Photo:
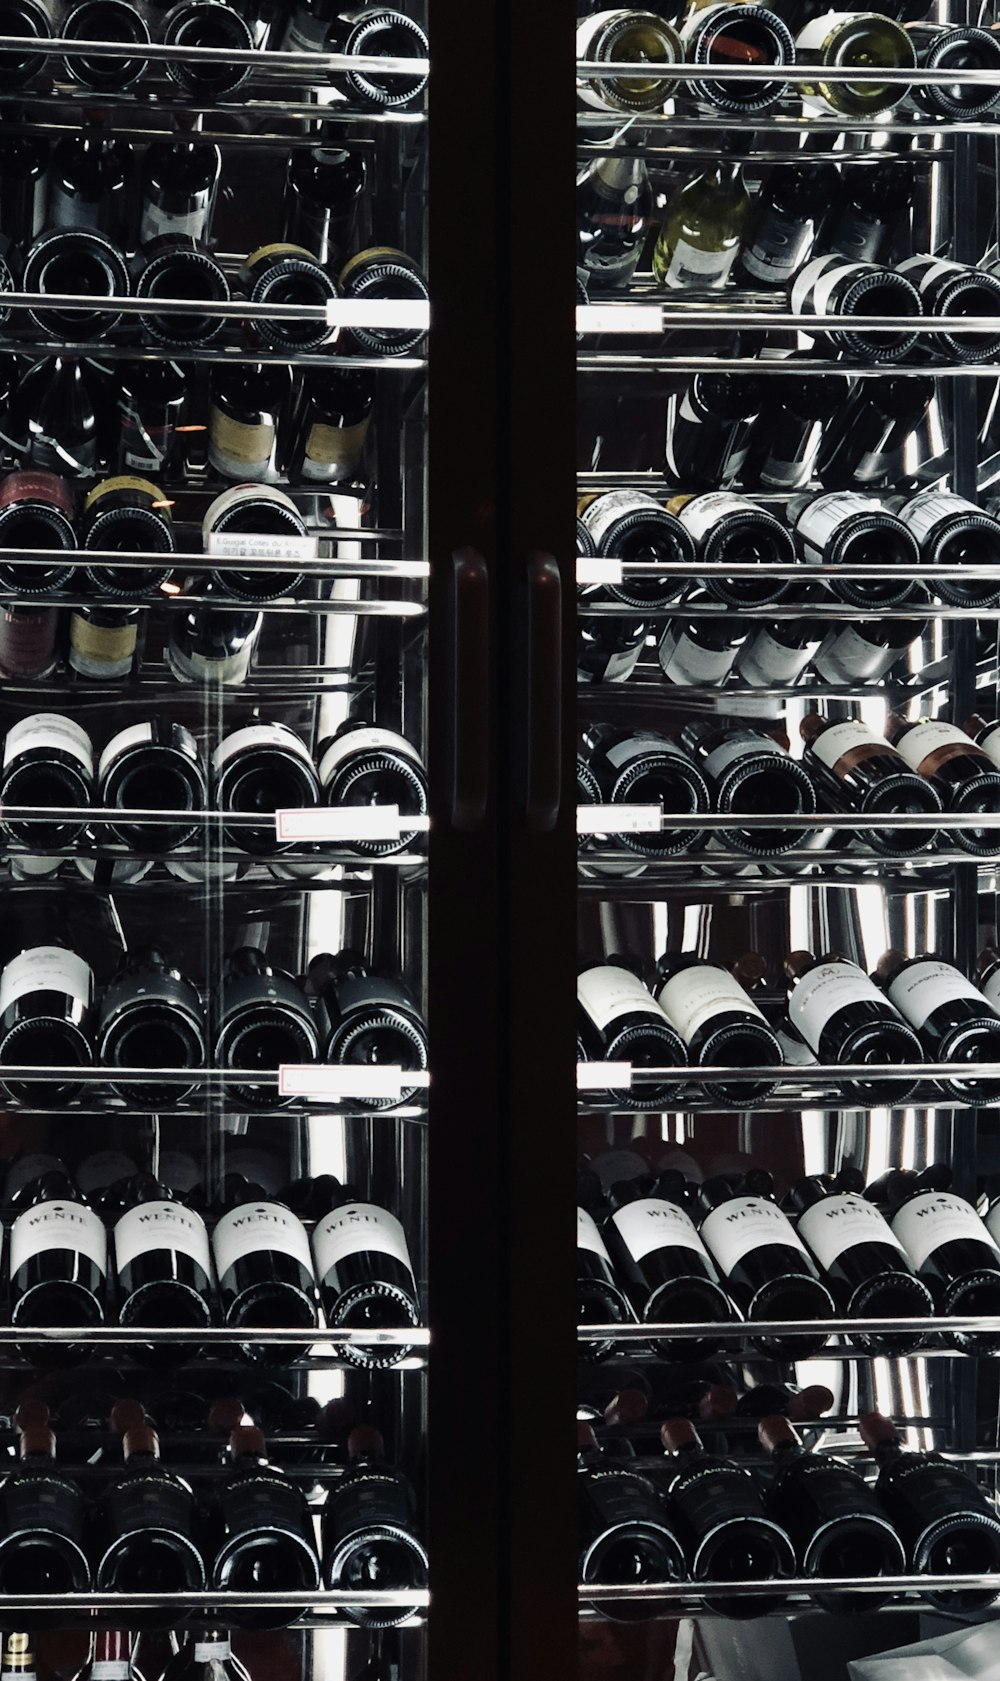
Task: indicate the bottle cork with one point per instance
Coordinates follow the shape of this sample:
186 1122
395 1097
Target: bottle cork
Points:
585 1437
226 1415
246 1438
876 1430
140 1439
127 1415
365 1442
796 964
37 1439
811 1402
775 1432
32 1413
679 1433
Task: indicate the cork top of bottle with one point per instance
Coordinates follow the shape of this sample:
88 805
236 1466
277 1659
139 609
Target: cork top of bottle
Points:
337 1416
889 963
365 1442
627 1407
127 1415
811 724
32 1414
974 724
247 1439
811 1402
750 969
226 1414
37 1439
877 1431
140 1439
775 1433
679 1433
796 964
718 1401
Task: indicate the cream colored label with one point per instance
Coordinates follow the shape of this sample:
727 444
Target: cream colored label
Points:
108 486
332 446
103 644
249 444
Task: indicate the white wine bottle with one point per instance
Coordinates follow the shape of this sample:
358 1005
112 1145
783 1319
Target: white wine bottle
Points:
701 233
633 38
848 40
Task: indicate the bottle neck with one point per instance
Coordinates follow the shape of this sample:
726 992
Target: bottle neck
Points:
618 174
727 174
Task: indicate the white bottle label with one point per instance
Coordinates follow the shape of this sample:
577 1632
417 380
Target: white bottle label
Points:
740 745
602 513
923 512
805 280
639 746
846 655
829 987
255 1226
588 1236
58 1225
835 1224
46 969
813 34
608 992
110 1669
823 290
693 996
258 735
743 1224
765 661
212 1651
832 743
161 1225
48 730
654 1224
918 990
362 741
817 523
936 1217
685 661
155 221
135 735
690 266
923 271
925 738
354 1229
703 513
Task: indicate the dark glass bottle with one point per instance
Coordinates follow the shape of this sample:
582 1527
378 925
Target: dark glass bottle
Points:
747 770
379 32
844 1017
258 1534
953 531
872 201
153 766
633 527
608 650
163 1266
206 1655
247 420
332 422
88 183
858 770
787 217
768 1271
625 1530
708 429
373 1020
700 653
260 769
46 993
669 1272
365 765
150 1017
175 265
862 440
854 290
949 1248
965 777
43 1539
731 529
622 1022
281 274
865 650
365 1276
106 20
643 767
788 431
57 1264
719 1023
207 23
265 1270
212 644
85 264
152 401
614 207
53 418
844 528
129 515
943 47
369 1531
323 191
179 182
24 180
600 1300
264 1020
145 1528
48 760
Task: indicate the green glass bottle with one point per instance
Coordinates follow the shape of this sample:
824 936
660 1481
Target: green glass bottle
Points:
704 226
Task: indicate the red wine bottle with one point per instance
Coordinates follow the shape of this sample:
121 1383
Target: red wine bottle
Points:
373 1020
163 1266
669 1272
365 1276
625 1529
719 1023
844 1017
949 1248
952 1019
600 1300
265 1269
57 1263
45 1005
258 1534
145 1528
622 1022
858 770
369 1531
42 1522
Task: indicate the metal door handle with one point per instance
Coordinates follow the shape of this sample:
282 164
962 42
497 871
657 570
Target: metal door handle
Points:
470 651
544 697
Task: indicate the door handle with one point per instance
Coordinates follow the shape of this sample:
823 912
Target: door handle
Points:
469 701
543 755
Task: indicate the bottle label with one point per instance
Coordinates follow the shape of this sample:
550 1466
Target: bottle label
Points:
155 221
161 1225
46 969
767 661
258 735
744 1224
358 1228
46 730
609 992
639 746
208 1651
923 271
835 1224
818 522
847 655
739 745
682 660
621 665
931 744
690 266
365 1502
134 735
851 736
827 988
97 650
703 513
58 1225
919 989
778 247
372 740
237 449
600 514
259 1226
922 513
588 1237
805 280
655 1224
110 1669
65 211
926 1222
331 451
692 997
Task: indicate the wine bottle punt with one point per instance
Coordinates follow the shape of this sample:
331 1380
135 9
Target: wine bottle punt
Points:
719 1024
280 275
844 1017
264 1021
365 1278
83 263
624 1023
956 48
731 529
949 1248
955 290
29 19
150 1017
207 23
768 1272
380 32
669 1272
106 20
369 1531
843 528
261 768
384 272
176 265
625 1530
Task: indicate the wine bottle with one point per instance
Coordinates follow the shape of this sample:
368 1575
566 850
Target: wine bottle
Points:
145 1528
865 651
150 1017
622 1022
849 40
179 183
176 265
46 994
376 31
786 436
731 529
987 975
953 531
207 23
643 767
709 427
872 201
762 1400
89 177
106 20
278 275
48 760
948 1246
722 1522
57 1265
258 1534
831 1516
261 769
255 522
18 1662
860 771
631 526
384 272
669 1272
863 440
625 1530
965 776
632 37
163 1267
747 770
24 162
212 645
955 47
373 1021
776 654
365 765
151 405
944 1519
719 1024
365 1277
955 289
863 1263
84 263
265 1270
43 1537
952 1018
206 1655
128 514
247 420
704 225
52 421
828 285
263 1020
600 1300
741 33
154 766
614 207
768 1271
843 528
607 650
369 1531
324 188
786 219
332 423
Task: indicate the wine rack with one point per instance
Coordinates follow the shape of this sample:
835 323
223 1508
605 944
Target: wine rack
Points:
637 347
348 636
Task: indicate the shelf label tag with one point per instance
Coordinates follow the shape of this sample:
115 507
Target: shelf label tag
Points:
345 823
618 819
620 318
347 1080
598 569
598 1076
251 545
410 314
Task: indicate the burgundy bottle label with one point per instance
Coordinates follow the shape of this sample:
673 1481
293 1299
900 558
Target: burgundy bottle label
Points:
31 486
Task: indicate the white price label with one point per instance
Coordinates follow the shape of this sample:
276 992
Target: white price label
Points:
408 314
254 545
345 823
347 1080
619 318
600 1076
598 569
618 819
